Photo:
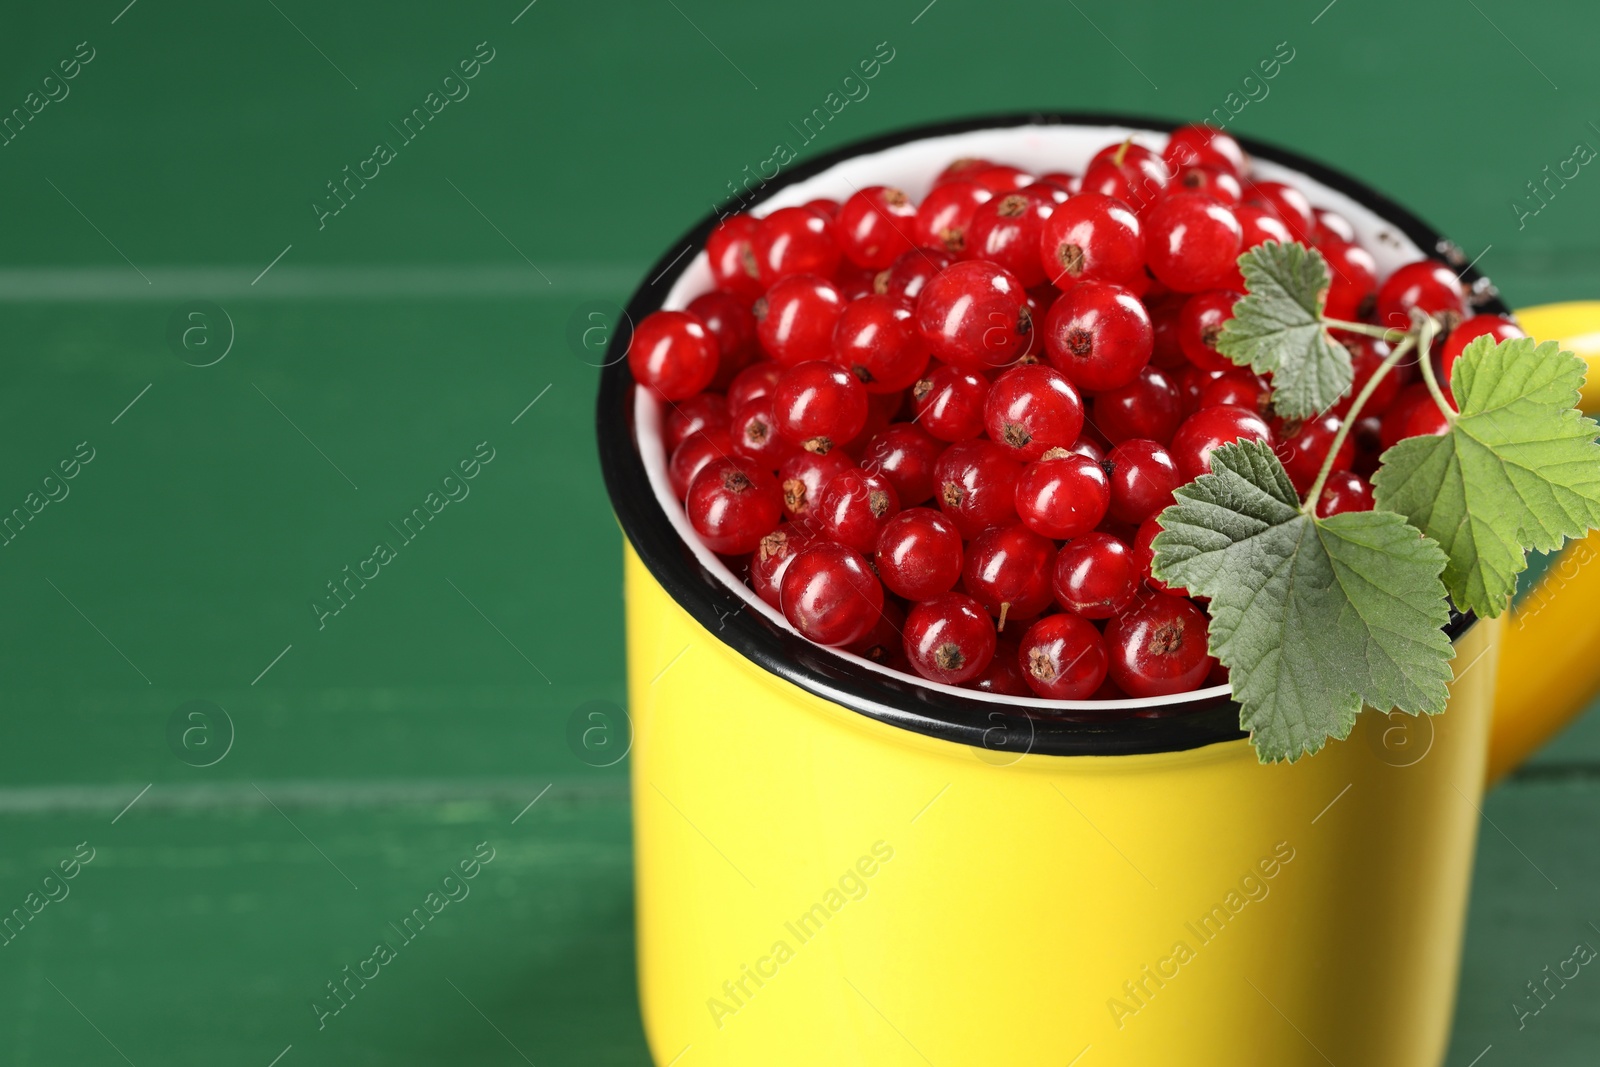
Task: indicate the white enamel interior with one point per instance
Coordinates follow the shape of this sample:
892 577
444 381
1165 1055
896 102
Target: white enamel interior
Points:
912 167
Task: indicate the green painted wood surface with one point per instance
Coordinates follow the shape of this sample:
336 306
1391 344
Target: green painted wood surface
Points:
419 321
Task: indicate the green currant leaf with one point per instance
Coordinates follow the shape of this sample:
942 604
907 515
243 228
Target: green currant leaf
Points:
1277 329
1519 468
1313 618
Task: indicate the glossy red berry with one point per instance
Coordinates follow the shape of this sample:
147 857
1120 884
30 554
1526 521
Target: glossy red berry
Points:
961 170
830 594
732 505
673 353
905 454
1098 335
1219 184
1426 285
1062 495
1200 326
703 411
1144 556
946 213
949 403
1130 173
1302 445
875 225
755 435
1142 476
876 339
824 206
1095 576
1201 145
1192 242
1344 491
795 321
692 454
976 485
1332 226
1093 238
1063 657
794 240
731 253
773 556
1006 231
853 282
975 316
1209 428
884 644
1003 675
1259 226
919 554
1159 647
817 405
803 475
753 383
1240 387
1353 274
1007 570
949 639
1366 356
1000 178
1289 203
905 278
854 508
1031 409
1414 413
731 325
1494 327
1150 407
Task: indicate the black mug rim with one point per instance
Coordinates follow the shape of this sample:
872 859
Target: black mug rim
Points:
1001 729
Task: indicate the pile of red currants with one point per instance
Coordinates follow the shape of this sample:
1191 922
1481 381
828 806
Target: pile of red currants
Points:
938 435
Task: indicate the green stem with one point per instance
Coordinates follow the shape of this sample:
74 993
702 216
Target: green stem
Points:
1425 346
1382 333
1309 507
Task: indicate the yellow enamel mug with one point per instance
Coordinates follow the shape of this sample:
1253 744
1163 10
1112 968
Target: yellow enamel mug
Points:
836 866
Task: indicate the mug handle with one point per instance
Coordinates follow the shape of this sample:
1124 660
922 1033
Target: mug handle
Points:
1548 667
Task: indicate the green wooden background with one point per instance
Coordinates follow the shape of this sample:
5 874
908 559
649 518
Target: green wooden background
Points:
377 749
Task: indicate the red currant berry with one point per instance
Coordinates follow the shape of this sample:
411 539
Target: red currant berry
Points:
961 170
975 316
1303 445
949 639
1414 413
1001 179
945 214
1164 310
1142 476
885 643
882 409
1210 428
949 403
731 325
1063 657
855 506
1344 491
1095 576
794 240
1062 495
905 278
1031 409
1149 407
732 505
905 454
673 353
823 206
830 594
1289 203
1007 570
703 411
919 554
1159 647
1003 675
977 483
875 225
818 405
1092 237
853 282
1426 285
1144 556
1354 281
1200 145
772 557
1332 226
692 454
1260 226
755 435
1192 382
753 383
1130 172
803 475
1191 243
1006 231
1200 325
1492 326
1240 387
796 319
733 259
877 341
1098 335
1366 356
